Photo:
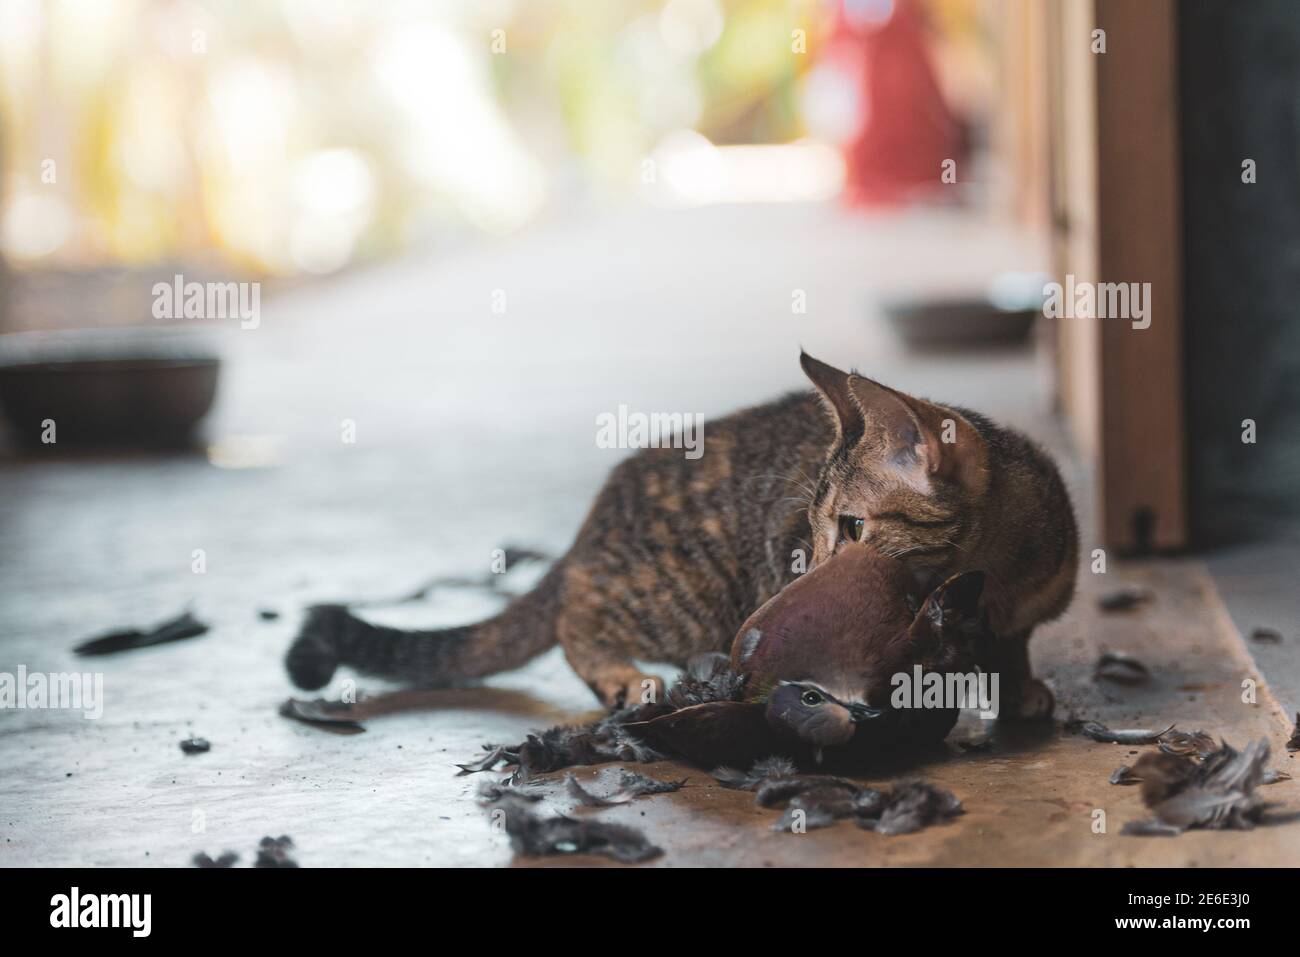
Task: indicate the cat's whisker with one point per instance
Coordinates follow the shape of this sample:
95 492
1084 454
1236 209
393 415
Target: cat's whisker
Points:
797 478
792 498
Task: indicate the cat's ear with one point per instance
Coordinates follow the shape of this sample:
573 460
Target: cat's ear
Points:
922 435
718 732
833 386
952 614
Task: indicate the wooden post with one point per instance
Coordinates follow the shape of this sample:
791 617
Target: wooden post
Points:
1117 180
1140 239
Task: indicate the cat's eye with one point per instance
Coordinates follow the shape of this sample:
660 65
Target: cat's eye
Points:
811 698
852 528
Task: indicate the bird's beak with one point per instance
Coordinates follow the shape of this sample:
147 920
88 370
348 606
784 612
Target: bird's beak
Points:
860 712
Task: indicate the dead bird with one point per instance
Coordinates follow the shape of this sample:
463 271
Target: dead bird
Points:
1217 793
811 676
854 462
533 835
183 626
821 662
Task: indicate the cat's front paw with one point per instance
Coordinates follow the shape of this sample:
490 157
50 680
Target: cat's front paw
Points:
628 689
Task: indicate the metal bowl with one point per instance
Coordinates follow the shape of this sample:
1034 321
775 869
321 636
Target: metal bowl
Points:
132 387
959 322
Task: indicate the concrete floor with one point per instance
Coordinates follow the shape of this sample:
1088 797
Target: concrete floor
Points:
476 429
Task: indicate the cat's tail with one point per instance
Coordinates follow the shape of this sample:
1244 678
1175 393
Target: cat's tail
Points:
332 636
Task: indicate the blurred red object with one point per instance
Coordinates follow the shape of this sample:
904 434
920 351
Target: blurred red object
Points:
908 130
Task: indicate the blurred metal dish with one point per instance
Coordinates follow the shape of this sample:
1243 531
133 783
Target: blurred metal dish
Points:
959 322
117 387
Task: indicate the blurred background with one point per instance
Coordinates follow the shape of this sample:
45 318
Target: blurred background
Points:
297 138
320 300
457 232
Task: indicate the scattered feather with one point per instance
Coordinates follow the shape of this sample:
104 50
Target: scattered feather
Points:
1197 807
816 808
535 836
815 800
707 679
1121 669
640 784
1162 774
227 859
176 629
274 852
320 713
1099 732
493 757
871 803
775 792
565 747
1215 793
912 806
1293 743
774 767
1150 829
630 786
491 791
1123 599
1267 636
1195 744
1274 776
1124 775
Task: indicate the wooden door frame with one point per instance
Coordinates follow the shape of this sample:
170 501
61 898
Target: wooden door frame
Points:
1117 217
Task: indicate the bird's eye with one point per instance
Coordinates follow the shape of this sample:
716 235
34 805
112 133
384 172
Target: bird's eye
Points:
811 698
852 528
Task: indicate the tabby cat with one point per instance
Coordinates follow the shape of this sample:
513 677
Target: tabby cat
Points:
676 552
